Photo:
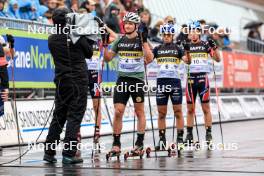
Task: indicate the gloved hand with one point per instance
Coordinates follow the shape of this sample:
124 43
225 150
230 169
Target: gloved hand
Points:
187 45
99 21
212 44
105 38
143 32
11 40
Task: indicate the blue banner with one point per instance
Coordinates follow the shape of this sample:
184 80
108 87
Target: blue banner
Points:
34 66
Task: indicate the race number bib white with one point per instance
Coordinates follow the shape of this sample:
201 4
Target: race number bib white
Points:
131 61
199 63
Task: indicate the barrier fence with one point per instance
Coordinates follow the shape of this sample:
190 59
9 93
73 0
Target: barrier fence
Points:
32 116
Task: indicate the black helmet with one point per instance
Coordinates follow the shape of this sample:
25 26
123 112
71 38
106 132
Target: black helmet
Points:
59 16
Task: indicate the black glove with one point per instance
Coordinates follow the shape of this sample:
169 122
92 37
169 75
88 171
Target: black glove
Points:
99 21
212 44
187 45
105 38
143 32
11 40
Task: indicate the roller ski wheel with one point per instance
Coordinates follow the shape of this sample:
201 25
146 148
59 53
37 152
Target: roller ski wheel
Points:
173 150
137 152
148 151
189 140
113 153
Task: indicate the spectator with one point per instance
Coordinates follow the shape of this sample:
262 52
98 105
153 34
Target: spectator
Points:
205 33
140 6
99 9
61 4
169 20
2 6
129 6
52 5
27 10
254 40
111 17
42 14
43 2
71 4
74 7
224 40
13 9
154 33
89 5
183 35
145 17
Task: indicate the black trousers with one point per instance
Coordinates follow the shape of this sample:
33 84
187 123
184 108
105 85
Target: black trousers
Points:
70 106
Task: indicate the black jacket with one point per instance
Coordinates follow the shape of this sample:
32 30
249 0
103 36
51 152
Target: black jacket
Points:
70 65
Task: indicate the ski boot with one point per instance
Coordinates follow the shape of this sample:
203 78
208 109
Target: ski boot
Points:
180 144
189 139
161 145
190 142
49 158
209 139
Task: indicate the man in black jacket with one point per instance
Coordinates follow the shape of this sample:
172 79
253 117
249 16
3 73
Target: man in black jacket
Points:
71 90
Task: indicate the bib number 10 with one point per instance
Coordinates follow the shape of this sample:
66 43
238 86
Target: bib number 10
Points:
196 61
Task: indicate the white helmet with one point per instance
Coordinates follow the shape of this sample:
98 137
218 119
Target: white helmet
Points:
132 17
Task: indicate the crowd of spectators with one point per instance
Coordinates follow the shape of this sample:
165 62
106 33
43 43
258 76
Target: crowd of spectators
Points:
111 11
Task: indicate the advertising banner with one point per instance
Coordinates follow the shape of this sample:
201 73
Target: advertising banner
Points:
243 70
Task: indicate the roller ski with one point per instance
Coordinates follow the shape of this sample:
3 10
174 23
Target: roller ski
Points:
138 151
190 143
115 152
162 146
